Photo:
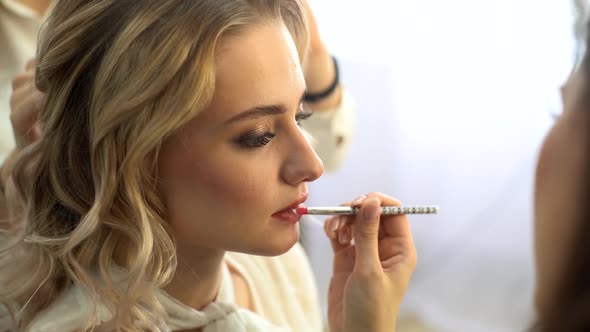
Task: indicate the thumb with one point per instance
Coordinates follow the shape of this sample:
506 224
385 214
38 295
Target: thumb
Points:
366 234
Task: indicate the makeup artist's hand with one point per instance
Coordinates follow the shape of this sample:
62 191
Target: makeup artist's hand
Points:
318 66
25 103
371 273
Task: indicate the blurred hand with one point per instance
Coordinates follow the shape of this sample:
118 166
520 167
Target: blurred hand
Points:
315 41
374 258
25 103
318 66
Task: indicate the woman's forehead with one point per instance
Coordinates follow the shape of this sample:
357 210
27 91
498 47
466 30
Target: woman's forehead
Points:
258 66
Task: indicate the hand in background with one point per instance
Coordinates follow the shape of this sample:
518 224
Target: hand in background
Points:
318 67
25 103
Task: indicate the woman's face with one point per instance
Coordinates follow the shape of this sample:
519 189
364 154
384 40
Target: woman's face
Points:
559 188
233 168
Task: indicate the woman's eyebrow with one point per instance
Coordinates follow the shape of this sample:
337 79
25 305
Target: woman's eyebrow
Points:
257 112
260 111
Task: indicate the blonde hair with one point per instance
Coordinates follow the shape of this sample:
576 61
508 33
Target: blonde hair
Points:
120 77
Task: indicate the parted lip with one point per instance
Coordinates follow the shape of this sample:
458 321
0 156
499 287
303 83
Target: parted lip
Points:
302 198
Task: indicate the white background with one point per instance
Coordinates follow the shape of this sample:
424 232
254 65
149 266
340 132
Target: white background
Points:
453 100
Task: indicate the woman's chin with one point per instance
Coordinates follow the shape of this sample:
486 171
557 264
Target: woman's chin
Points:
277 245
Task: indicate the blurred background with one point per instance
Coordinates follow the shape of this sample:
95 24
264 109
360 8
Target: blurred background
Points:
453 100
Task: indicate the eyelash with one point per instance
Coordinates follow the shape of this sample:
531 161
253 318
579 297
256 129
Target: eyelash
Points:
302 116
252 140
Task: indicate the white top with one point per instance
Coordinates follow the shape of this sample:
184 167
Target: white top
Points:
19 26
71 310
282 288
332 131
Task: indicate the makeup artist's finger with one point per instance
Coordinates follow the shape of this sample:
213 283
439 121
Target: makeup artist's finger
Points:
31 64
393 225
25 106
342 221
358 201
344 235
396 244
22 80
366 230
339 229
328 224
348 220
331 226
23 85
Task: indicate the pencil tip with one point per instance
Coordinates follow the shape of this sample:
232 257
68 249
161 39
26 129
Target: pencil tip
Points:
301 210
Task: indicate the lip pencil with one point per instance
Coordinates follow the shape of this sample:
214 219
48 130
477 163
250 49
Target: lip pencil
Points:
386 210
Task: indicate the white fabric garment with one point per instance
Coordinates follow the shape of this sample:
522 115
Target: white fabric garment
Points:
282 290
332 131
282 287
18 39
72 309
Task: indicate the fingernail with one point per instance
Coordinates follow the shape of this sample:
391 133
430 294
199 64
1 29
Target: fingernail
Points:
371 212
343 237
333 226
358 200
329 223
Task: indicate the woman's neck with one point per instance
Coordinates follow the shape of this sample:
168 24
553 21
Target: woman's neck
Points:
38 6
197 278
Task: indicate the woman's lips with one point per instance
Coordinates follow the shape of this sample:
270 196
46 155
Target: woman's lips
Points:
289 215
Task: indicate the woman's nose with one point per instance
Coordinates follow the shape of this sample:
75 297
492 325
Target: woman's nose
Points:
302 163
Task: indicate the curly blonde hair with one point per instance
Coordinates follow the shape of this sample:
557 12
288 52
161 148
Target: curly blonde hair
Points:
120 77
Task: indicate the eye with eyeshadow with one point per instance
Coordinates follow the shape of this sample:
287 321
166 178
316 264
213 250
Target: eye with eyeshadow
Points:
255 139
261 137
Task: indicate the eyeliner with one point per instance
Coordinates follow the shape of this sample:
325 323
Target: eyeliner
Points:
385 210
